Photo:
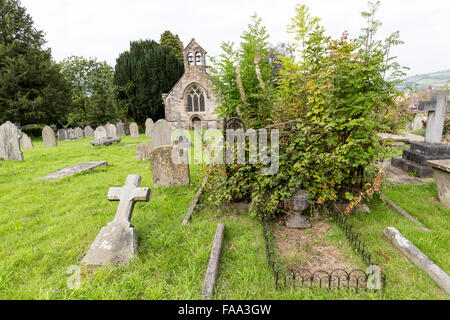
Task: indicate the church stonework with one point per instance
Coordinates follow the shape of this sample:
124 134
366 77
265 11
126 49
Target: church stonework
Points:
192 97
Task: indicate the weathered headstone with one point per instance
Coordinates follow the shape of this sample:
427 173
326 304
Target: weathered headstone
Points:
88 132
117 242
161 134
120 129
62 135
70 171
49 137
414 160
170 166
417 122
148 127
25 141
111 131
134 130
79 133
100 133
104 141
9 142
143 151
70 134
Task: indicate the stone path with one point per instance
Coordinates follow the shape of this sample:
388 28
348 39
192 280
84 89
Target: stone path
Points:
70 171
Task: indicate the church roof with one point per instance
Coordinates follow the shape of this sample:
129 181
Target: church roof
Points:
195 45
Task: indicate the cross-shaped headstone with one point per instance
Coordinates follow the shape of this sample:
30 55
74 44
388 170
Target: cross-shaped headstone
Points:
128 195
117 242
436 107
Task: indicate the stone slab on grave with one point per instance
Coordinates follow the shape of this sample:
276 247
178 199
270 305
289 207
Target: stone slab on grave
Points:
70 171
441 170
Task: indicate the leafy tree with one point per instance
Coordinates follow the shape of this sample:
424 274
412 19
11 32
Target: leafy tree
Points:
142 75
32 89
243 77
92 91
172 41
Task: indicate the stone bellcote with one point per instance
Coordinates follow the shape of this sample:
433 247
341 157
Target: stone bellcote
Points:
194 57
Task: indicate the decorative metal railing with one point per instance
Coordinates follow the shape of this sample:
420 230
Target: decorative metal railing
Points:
356 279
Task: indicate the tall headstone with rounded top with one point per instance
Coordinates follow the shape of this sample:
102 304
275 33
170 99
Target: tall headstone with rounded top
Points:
9 142
79 134
25 141
161 134
48 136
149 127
100 133
88 132
111 131
134 130
120 129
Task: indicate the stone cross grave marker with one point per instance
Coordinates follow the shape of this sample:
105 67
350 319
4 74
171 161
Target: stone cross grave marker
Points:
117 242
48 136
9 142
436 108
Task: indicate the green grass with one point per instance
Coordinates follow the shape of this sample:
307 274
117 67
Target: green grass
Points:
48 226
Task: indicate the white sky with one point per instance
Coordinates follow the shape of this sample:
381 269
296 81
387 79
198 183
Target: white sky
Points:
104 28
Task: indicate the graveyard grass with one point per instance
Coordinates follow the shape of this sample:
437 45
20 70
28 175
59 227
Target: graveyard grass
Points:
48 226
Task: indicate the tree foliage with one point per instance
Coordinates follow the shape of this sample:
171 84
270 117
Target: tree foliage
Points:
331 98
92 91
172 41
32 89
142 75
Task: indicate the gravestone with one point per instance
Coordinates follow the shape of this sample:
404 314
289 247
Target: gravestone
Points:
62 135
120 129
414 160
9 142
79 133
25 141
111 131
88 132
161 134
100 133
165 170
441 169
143 151
117 242
134 130
149 127
49 137
104 141
70 171
70 134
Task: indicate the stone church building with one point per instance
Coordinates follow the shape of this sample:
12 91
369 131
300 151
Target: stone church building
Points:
192 96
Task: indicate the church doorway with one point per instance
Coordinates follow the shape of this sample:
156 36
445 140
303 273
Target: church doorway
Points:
196 122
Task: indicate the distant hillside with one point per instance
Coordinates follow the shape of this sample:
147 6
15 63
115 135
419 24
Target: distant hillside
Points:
422 81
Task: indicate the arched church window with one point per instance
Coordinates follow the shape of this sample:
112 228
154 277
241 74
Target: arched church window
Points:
190 58
198 58
195 100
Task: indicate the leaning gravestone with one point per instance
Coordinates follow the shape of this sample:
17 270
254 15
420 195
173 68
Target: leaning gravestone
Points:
62 135
70 134
25 141
414 160
134 130
117 242
79 134
100 133
49 137
170 166
88 132
161 134
9 142
120 129
149 127
70 171
111 131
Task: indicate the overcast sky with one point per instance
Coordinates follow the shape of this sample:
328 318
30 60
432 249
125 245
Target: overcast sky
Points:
104 28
